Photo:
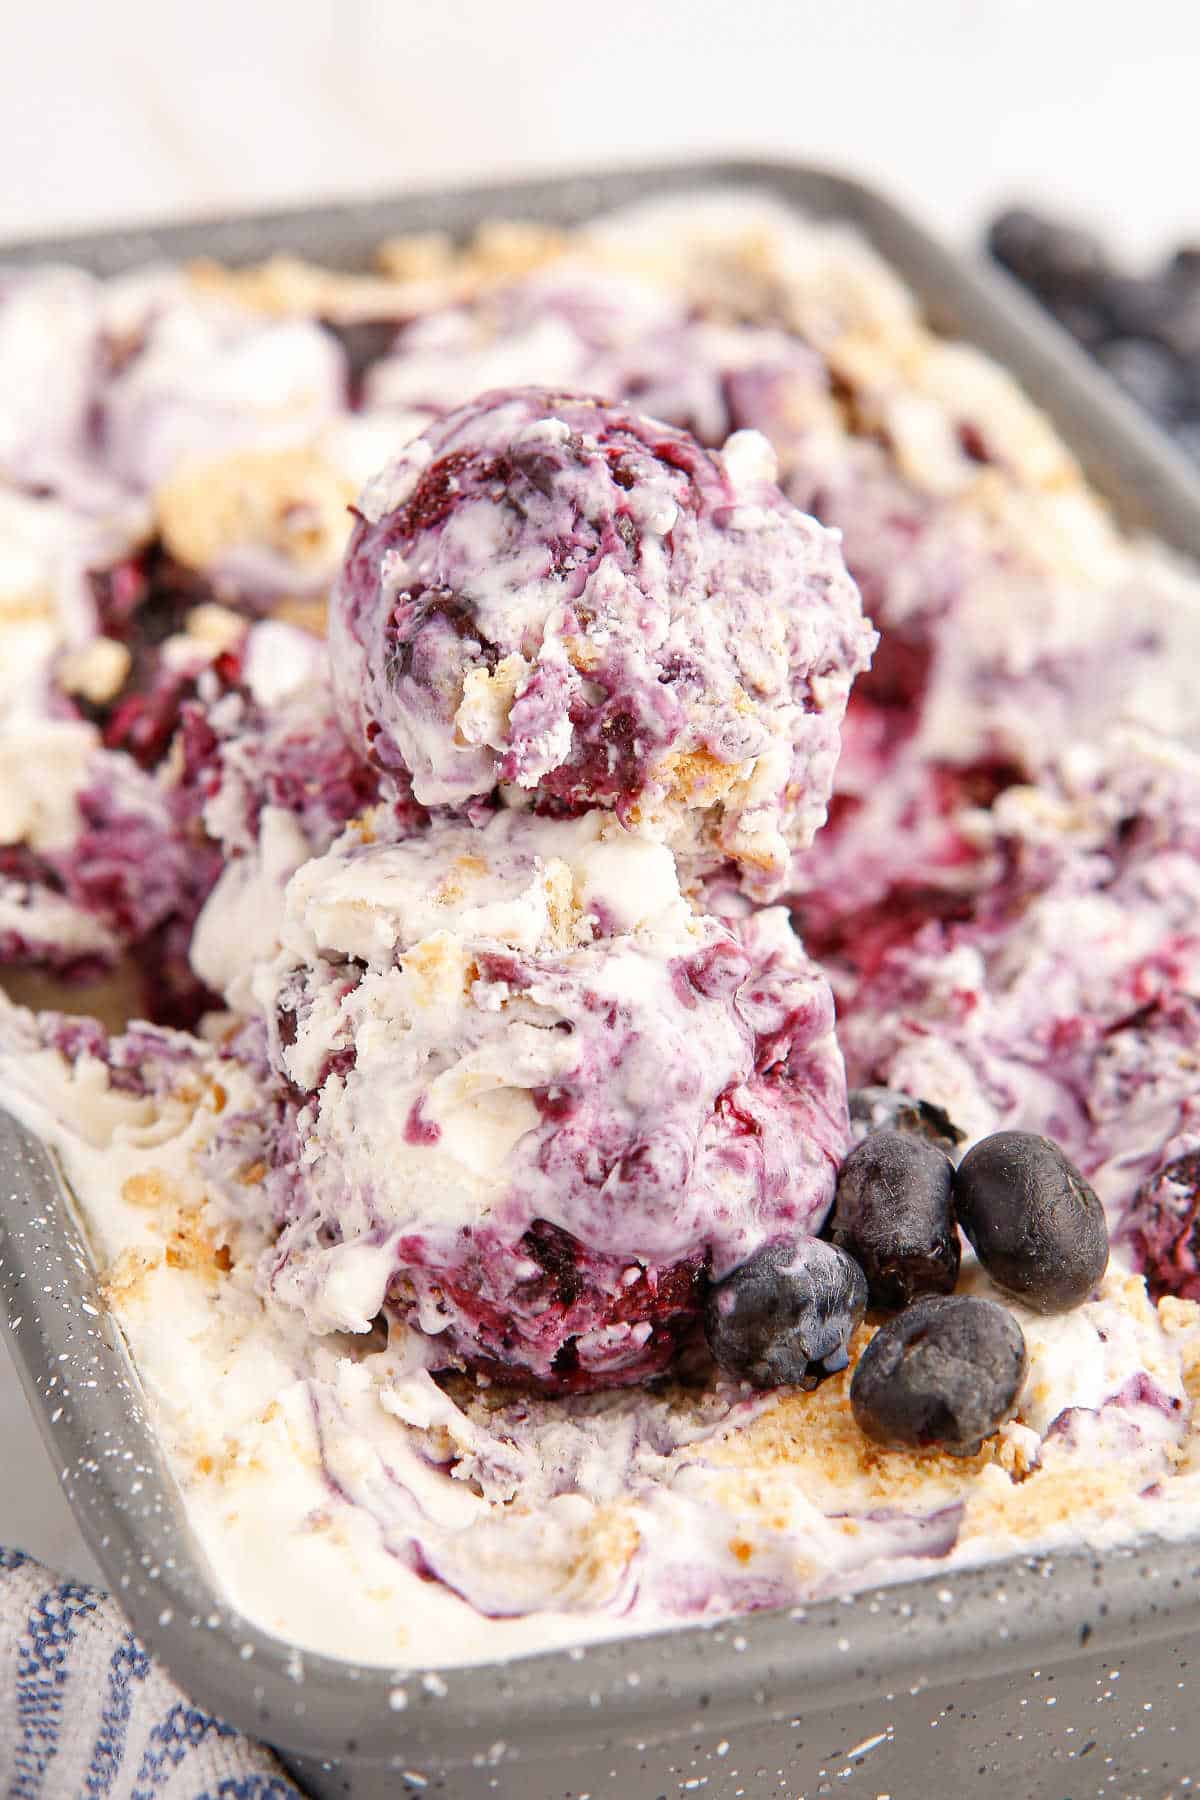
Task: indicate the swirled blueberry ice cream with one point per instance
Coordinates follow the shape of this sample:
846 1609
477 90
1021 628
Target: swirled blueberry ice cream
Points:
461 1234
542 1100
559 599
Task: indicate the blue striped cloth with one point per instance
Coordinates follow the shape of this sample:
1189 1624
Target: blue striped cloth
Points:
86 1715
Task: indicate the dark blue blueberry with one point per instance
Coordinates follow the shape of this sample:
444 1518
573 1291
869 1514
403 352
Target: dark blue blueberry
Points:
1187 436
786 1314
888 1109
1086 320
947 1371
894 1215
1036 1225
1150 374
1057 261
1145 329
364 341
1184 266
1180 331
1139 306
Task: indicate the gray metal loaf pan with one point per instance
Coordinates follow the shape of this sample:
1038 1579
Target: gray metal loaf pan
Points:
1048 1680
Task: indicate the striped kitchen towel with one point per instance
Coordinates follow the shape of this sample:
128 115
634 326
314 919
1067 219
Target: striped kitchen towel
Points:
86 1715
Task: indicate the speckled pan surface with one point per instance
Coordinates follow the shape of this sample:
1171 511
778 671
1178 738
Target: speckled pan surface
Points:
873 1694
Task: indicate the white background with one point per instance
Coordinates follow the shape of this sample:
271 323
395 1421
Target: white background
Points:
126 111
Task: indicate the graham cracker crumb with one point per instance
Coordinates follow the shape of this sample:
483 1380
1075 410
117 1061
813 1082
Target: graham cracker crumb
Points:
1048 1499
150 1189
609 1546
698 778
1178 1316
191 1246
216 627
97 670
500 250
29 607
1180 1320
436 966
562 908
1017 1450
289 287
289 501
309 614
487 698
453 885
419 256
814 1438
125 1282
225 1461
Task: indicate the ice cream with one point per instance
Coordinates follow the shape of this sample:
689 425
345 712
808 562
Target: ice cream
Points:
355 1504
193 379
173 463
1065 1002
569 601
541 1098
499 1064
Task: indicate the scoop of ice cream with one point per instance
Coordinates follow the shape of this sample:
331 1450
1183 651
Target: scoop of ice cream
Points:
560 598
196 379
542 1096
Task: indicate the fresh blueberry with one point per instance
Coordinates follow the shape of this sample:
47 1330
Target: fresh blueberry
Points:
1056 261
888 1109
1139 306
1036 1225
894 1215
786 1314
1086 320
1180 331
364 341
1184 266
1187 436
1145 329
1150 374
949 1370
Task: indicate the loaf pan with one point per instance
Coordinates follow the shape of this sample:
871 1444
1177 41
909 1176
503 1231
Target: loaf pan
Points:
1055 1678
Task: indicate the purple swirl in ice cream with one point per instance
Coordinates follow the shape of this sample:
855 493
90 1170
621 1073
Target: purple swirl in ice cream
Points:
561 598
503 1061
541 1096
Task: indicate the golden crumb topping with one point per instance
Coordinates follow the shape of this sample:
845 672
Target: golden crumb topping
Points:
291 502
